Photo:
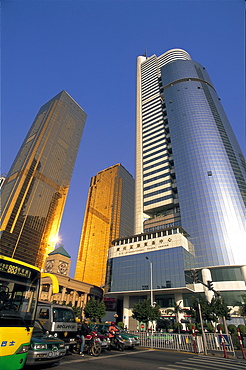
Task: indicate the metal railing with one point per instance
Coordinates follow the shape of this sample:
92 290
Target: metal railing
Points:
186 342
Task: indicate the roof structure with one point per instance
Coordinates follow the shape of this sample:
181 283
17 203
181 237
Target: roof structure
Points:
60 250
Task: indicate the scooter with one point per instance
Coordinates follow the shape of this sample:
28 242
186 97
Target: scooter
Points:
92 344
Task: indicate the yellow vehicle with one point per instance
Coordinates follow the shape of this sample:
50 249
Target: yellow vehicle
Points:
19 289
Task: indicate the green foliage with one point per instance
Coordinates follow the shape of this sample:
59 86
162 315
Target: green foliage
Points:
143 311
94 310
242 328
164 324
232 328
190 326
176 310
235 341
121 324
219 307
177 327
211 311
242 308
221 327
210 327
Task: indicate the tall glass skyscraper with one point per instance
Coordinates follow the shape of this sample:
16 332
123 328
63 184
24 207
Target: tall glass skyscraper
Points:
109 214
190 170
190 193
35 190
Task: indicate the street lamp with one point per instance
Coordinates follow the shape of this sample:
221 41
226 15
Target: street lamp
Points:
151 281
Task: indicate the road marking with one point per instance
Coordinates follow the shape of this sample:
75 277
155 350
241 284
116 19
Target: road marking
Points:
198 363
93 358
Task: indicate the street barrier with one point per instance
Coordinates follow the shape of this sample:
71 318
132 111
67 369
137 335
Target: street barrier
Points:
185 342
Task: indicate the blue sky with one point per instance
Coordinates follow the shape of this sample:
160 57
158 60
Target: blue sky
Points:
89 49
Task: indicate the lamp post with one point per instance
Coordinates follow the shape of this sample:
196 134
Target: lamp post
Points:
151 282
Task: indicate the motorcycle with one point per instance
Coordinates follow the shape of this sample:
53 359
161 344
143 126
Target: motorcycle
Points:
117 343
92 344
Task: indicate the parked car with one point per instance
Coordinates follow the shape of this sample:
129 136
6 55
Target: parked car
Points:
44 349
130 340
105 341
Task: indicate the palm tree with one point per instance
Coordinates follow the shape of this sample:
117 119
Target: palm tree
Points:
176 310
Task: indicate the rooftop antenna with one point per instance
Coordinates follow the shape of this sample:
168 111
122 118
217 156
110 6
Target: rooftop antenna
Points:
145 53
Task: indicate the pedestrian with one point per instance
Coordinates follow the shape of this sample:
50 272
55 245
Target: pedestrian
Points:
83 331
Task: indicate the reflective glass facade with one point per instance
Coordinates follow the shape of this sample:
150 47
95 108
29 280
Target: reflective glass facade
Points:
190 170
34 193
132 273
109 214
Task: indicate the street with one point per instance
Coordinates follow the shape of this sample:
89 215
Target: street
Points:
146 359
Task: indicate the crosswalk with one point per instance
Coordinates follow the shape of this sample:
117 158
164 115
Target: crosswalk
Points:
204 362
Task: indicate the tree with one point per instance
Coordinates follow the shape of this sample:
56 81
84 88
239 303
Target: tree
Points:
219 308
164 324
242 308
144 312
176 310
94 310
211 311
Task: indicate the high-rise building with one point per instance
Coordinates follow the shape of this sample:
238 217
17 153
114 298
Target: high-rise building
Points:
35 190
109 214
190 193
190 170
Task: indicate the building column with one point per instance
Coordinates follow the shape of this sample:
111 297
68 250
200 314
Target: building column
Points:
126 311
243 269
83 303
74 298
50 293
68 297
206 275
178 297
63 295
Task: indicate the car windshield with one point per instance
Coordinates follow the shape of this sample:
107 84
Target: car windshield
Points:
63 315
38 330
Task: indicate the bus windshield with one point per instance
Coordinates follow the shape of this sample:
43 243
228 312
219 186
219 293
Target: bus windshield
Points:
19 286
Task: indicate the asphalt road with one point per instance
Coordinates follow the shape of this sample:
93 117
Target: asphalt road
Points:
147 359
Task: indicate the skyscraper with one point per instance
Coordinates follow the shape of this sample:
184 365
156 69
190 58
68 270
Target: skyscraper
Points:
35 190
190 193
190 170
109 214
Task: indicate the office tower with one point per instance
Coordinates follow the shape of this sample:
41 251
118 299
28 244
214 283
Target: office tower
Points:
2 179
189 193
190 170
109 214
35 190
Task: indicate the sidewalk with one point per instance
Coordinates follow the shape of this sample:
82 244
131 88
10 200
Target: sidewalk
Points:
238 354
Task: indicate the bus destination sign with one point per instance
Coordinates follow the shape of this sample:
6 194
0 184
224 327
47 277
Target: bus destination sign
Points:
13 269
